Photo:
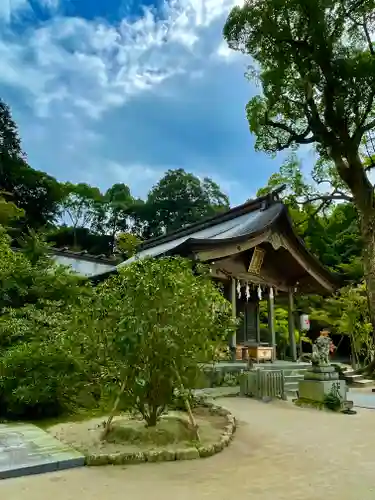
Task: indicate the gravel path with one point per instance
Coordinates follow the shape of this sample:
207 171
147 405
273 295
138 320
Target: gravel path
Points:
279 453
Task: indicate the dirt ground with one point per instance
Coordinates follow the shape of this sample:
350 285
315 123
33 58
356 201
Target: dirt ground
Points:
279 453
84 436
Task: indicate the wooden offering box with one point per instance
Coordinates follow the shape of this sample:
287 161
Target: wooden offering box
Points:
261 353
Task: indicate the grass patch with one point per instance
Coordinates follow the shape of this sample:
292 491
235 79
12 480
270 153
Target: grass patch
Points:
170 430
308 403
80 416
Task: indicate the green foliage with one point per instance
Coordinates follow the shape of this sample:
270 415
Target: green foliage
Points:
81 238
127 244
9 212
43 365
281 326
38 379
30 275
165 320
36 193
180 199
332 400
315 63
331 231
78 205
316 68
347 313
112 213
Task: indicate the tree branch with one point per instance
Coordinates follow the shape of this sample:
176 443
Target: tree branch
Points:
338 195
317 126
315 212
301 138
369 126
368 37
362 128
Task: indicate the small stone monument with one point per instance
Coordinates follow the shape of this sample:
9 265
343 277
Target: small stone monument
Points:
322 378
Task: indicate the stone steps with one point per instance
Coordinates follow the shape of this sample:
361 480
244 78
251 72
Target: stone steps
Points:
357 380
364 382
291 383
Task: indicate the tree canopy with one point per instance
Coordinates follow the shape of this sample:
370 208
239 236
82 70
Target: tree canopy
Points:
315 62
37 193
181 198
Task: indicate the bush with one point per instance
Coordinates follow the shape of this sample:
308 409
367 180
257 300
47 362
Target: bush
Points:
46 363
165 319
38 380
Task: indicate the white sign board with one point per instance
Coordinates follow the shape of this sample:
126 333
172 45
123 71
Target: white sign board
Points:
304 322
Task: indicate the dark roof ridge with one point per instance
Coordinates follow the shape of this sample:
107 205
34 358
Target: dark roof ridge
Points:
249 206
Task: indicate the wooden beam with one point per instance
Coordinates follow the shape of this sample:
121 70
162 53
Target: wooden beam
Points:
271 323
230 249
291 326
295 254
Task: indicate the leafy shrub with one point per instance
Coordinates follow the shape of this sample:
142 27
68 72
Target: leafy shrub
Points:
332 400
165 319
38 380
46 363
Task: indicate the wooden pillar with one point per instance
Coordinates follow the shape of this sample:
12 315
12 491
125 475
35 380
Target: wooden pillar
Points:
233 298
292 337
257 322
271 324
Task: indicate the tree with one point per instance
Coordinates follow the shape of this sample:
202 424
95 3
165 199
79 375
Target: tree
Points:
347 313
316 65
82 238
165 319
179 199
127 244
35 192
29 275
113 212
9 212
10 143
45 362
329 228
78 205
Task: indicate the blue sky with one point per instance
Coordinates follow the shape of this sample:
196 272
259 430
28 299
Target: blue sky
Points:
112 91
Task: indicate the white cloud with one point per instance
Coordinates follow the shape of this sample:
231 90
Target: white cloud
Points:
143 177
12 8
51 5
94 66
224 52
140 177
124 102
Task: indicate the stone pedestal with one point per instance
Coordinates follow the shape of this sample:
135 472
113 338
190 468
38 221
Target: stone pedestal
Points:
320 381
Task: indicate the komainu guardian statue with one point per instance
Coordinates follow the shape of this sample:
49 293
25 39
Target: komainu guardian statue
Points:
321 350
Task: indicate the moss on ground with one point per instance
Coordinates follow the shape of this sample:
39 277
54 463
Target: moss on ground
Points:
130 434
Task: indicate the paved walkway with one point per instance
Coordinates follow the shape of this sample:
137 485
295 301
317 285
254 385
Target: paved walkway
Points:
280 453
25 449
362 398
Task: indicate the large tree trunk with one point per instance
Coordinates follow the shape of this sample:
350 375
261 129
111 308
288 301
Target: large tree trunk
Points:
352 172
368 234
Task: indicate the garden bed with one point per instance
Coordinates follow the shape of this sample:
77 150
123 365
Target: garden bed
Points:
131 442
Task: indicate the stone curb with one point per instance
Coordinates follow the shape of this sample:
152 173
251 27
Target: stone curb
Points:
168 455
